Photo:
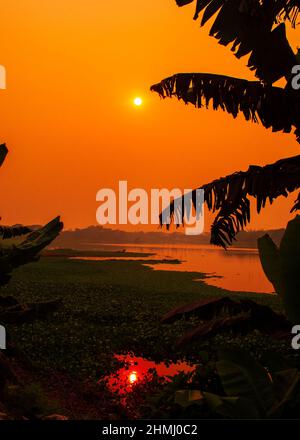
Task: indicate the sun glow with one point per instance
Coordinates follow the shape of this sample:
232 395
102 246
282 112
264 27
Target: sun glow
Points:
133 377
138 101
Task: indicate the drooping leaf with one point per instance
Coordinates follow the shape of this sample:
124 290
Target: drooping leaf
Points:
27 250
230 194
250 27
270 261
296 206
242 376
204 309
266 320
281 266
215 326
289 270
286 384
3 153
7 232
37 240
274 107
225 314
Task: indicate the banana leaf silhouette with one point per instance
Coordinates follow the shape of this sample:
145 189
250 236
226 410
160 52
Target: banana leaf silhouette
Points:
254 27
274 107
230 196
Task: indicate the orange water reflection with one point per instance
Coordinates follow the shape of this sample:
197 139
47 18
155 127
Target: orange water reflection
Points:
136 370
236 269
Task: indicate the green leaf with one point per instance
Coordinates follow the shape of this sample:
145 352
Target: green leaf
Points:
290 263
286 383
186 398
3 153
231 407
269 258
242 376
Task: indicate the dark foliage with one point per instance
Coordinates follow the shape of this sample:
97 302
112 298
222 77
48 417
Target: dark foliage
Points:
13 231
248 389
274 107
222 314
252 26
229 195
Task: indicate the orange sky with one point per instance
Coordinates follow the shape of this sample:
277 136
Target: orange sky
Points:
73 69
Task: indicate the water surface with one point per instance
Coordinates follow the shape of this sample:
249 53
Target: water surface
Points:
135 370
236 269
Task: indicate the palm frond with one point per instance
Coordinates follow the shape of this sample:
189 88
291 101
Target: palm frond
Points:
249 26
3 153
37 240
274 107
28 250
289 11
230 196
7 232
267 11
296 206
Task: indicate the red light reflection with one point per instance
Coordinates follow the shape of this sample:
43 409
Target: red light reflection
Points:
136 369
133 377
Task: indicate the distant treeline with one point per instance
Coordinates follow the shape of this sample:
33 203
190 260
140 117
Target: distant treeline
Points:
92 236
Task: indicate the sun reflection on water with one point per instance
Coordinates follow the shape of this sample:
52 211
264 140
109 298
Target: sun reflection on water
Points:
136 370
133 377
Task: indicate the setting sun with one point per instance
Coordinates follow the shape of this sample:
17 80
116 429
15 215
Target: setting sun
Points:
138 101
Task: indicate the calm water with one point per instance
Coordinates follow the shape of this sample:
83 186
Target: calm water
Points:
137 369
234 269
